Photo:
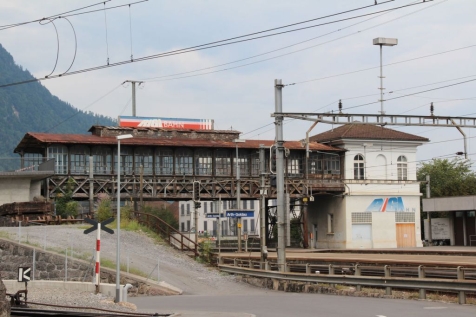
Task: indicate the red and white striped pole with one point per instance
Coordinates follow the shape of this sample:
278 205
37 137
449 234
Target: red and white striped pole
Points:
98 257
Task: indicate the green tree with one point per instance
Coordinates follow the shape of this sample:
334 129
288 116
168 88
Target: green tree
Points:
447 178
65 204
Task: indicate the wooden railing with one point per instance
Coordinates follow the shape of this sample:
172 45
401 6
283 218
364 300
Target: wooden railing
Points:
174 237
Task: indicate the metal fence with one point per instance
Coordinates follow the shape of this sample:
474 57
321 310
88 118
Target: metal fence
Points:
458 280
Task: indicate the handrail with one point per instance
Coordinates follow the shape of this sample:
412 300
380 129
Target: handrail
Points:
167 231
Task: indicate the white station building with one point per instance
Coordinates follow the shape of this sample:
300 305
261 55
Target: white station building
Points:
381 204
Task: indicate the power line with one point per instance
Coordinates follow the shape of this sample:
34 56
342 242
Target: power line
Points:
203 47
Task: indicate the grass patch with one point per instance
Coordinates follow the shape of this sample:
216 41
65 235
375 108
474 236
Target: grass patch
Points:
4 234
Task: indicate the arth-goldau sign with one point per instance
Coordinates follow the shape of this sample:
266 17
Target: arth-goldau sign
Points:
240 213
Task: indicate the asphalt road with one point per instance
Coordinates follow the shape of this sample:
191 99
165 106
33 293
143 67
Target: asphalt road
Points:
278 304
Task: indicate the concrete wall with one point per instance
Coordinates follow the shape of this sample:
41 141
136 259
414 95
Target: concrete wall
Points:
17 190
51 266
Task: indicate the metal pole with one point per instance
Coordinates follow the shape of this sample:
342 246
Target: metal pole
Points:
134 96
278 86
98 257
428 195
34 264
262 161
195 219
381 83
238 198
118 220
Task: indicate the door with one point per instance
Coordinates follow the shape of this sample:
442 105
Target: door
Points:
405 235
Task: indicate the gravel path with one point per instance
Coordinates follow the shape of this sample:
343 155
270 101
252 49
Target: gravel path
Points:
143 252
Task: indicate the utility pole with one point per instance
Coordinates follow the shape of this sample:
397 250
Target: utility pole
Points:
133 82
262 162
278 89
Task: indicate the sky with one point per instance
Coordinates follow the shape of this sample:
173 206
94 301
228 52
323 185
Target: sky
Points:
332 60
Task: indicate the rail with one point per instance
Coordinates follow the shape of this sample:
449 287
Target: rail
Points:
459 280
174 237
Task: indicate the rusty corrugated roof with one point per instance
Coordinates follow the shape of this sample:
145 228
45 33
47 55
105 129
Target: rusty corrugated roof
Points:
36 140
365 131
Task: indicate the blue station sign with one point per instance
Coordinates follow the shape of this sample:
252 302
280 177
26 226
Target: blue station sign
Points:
238 213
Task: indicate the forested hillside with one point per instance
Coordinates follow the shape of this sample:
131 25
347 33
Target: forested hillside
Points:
32 108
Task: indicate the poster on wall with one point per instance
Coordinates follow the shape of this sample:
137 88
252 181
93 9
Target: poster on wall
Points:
166 123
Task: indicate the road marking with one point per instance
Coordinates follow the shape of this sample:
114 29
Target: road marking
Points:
436 307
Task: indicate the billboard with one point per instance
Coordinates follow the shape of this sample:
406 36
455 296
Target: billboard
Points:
166 123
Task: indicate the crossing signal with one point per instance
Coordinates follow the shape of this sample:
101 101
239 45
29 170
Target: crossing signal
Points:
196 191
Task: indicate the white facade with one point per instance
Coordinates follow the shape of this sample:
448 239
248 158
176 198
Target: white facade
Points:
381 204
250 225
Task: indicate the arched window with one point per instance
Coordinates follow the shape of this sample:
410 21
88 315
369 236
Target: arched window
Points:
359 167
402 168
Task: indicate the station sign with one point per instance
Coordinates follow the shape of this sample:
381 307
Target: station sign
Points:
213 215
239 213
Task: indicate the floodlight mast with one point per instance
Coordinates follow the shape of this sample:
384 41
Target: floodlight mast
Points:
382 41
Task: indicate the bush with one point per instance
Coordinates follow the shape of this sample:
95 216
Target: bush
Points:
104 210
163 213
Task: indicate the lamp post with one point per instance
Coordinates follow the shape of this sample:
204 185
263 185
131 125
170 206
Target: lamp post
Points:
382 41
118 214
238 191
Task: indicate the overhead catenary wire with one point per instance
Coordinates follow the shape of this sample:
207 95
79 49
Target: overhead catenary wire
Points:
202 47
2 27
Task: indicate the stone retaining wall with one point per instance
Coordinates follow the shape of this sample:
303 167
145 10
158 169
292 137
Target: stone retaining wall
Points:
51 266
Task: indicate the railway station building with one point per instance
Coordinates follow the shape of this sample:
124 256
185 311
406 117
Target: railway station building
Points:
357 181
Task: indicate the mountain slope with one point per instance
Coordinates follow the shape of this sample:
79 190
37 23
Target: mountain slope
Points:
32 108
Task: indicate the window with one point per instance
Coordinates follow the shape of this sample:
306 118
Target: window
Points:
188 225
188 209
164 161
205 207
252 225
252 204
184 162
315 163
102 160
293 167
127 160
32 160
243 156
245 204
205 225
143 156
223 163
224 205
245 225
255 163
182 226
60 154
330 223
211 206
359 167
203 162
182 210
331 163
402 168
